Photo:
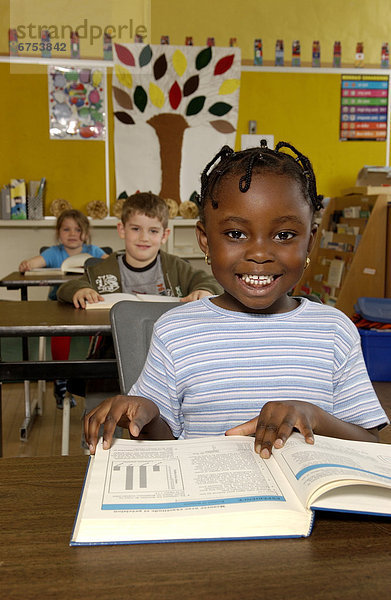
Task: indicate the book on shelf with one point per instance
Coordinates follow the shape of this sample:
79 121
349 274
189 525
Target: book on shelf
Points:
72 264
110 299
218 488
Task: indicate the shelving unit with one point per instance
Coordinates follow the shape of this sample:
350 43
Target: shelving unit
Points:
345 266
182 240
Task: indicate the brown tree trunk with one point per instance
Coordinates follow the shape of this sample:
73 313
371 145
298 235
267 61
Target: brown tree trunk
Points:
169 129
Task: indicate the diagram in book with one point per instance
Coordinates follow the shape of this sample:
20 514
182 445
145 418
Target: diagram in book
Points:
145 476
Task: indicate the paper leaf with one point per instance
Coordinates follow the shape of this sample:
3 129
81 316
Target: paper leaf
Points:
175 95
203 58
195 106
96 78
140 98
222 126
224 64
160 67
156 95
122 98
220 108
145 56
124 55
229 86
179 62
124 117
123 75
191 85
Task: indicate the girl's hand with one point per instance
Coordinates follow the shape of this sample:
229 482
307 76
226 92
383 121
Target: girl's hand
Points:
276 422
196 295
81 297
24 266
130 412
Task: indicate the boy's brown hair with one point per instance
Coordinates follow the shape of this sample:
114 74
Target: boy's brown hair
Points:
80 219
147 204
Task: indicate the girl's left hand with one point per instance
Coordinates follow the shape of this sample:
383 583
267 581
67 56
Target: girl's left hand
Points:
276 422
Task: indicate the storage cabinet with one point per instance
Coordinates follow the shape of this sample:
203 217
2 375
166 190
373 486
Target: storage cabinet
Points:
349 256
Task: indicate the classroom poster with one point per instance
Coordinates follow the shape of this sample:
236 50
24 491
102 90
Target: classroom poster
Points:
364 108
174 108
76 103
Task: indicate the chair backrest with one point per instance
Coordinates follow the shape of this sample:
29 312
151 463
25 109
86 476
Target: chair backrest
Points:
132 325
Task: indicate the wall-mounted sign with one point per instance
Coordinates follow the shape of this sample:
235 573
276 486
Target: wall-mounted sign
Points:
364 104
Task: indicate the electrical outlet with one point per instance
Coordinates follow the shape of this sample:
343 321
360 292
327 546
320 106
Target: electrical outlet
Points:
252 127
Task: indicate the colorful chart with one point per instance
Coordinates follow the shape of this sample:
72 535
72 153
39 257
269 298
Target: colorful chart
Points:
364 108
76 104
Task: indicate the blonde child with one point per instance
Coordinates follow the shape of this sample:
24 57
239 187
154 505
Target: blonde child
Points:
73 235
254 360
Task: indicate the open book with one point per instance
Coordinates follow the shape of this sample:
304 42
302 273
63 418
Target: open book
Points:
111 299
72 264
218 488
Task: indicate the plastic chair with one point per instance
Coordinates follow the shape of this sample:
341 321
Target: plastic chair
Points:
132 324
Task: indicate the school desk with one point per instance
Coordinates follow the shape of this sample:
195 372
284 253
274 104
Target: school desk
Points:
50 318
20 281
345 556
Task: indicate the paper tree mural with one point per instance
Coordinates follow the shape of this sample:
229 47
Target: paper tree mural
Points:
174 107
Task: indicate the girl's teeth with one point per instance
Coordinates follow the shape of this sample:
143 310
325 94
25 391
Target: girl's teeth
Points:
258 279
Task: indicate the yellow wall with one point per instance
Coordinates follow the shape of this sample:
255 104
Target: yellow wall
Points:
302 109
349 21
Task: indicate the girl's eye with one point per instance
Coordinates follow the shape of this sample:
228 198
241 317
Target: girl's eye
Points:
285 235
236 235
154 231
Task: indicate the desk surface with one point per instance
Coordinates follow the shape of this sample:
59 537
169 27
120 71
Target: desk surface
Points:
345 557
48 318
16 280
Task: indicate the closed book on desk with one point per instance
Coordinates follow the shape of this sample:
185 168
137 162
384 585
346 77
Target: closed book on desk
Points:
110 299
219 488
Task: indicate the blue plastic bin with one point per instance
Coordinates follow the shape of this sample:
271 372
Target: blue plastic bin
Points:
376 347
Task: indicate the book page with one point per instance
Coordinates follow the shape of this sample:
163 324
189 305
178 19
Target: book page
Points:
186 489
110 299
332 462
157 298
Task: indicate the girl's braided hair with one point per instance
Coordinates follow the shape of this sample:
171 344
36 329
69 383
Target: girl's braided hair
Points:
258 160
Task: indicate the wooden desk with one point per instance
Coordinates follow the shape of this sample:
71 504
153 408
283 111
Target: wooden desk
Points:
49 318
345 557
19 281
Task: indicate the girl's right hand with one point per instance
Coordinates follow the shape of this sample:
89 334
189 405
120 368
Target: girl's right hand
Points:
24 266
130 412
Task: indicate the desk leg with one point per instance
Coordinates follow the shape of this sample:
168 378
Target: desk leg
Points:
41 383
29 411
1 420
66 417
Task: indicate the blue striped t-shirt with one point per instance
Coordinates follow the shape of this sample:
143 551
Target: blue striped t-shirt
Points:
209 369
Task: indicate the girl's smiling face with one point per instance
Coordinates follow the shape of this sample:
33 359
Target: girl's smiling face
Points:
257 242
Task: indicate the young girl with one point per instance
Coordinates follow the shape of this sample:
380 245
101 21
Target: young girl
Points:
255 360
73 235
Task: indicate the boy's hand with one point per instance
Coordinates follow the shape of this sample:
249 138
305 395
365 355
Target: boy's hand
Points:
276 422
196 295
85 295
131 412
